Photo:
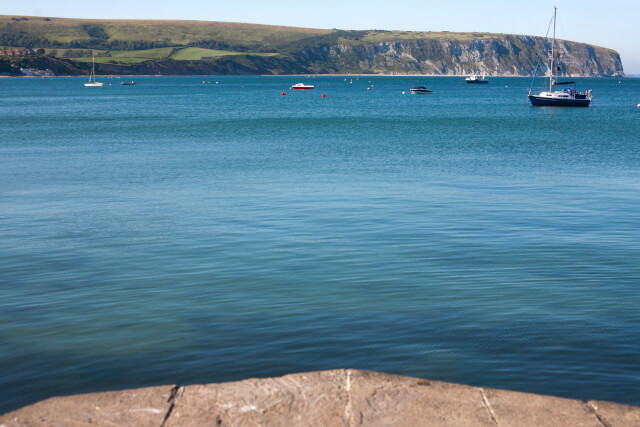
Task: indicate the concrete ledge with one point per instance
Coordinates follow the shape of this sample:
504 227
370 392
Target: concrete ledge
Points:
328 398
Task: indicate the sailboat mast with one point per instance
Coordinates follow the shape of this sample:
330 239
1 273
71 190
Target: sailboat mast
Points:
553 43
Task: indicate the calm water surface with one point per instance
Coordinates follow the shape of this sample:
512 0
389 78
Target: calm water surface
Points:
181 232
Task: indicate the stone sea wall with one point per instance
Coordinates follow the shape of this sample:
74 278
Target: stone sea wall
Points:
328 398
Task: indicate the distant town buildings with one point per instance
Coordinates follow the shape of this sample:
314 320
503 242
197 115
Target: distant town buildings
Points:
18 52
36 72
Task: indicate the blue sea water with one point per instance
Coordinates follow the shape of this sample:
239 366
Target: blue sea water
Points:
175 232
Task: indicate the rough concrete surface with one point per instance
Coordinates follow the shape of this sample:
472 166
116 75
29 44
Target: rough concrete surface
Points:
327 398
139 407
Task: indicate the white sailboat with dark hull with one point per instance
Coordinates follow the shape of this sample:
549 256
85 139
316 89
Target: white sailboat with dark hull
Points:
567 97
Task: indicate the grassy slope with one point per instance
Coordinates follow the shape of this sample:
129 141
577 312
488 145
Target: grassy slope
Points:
178 54
378 36
197 53
173 32
195 33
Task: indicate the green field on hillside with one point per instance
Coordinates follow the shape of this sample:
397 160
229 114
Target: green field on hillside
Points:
197 53
379 36
178 54
75 33
157 53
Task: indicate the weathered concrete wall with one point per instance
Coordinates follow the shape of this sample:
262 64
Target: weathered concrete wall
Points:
328 398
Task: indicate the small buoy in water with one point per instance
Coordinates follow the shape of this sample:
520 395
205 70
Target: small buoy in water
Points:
506 86
324 96
283 93
403 92
203 82
619 81
638 105
217 83
368 88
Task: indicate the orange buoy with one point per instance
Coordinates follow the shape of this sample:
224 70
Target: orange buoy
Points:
324 96
283 93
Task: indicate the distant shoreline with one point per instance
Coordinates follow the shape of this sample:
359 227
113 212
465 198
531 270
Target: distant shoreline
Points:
118 76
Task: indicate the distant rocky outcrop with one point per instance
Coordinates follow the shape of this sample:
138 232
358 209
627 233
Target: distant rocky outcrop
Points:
506 55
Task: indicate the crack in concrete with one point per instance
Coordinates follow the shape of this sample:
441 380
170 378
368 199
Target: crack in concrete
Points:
488 406
176 393
594 409
348 410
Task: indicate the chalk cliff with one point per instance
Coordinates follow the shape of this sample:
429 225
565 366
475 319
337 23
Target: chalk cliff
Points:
508 55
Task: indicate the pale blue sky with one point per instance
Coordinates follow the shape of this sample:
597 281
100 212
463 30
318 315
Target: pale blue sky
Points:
609 24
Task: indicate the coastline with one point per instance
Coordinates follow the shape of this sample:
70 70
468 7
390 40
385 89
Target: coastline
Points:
302 75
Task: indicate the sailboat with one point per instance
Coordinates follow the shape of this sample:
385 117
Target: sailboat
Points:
93 74
568 97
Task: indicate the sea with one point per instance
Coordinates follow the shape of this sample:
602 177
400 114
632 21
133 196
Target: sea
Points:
189 230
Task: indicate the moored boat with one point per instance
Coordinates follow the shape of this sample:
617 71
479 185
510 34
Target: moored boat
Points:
420 90
302 86
473 79
131 83
568 97
93 74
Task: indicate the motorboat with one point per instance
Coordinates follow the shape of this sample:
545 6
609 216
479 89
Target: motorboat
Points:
420 90
473 79
131 83
302 86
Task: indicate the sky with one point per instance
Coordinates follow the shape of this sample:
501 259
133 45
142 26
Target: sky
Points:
608 24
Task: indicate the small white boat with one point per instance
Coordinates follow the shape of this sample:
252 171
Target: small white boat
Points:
420 90
473 79
93 74
302 86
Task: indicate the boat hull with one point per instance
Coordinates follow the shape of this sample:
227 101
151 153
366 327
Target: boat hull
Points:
94 84
540 101
302 86
478 82
421 92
